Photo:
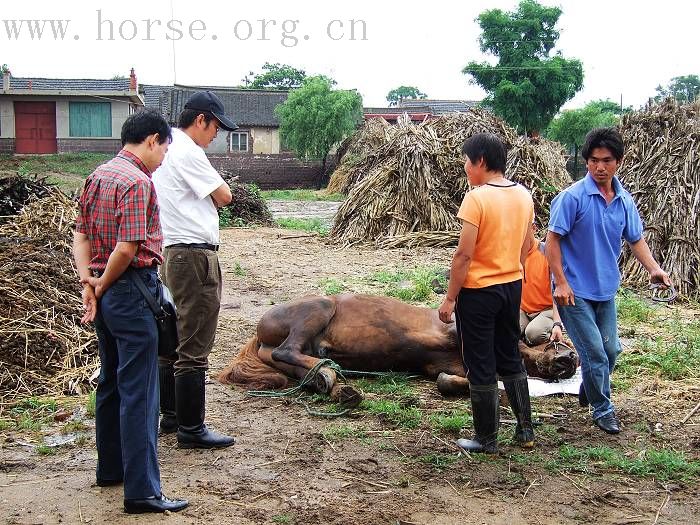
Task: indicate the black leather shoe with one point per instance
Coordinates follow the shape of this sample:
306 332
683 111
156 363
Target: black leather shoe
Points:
582 397
168 424
108 482
154 504
608 423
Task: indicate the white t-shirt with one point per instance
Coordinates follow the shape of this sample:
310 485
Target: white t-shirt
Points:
184 182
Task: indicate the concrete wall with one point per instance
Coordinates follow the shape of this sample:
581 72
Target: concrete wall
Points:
7 119
265 140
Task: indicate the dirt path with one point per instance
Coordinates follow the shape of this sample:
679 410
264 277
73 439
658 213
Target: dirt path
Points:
286 467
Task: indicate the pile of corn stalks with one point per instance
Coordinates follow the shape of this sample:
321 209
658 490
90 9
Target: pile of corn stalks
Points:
661 168
405 182
44 350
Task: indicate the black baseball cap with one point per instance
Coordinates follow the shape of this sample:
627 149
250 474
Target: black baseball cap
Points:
208 101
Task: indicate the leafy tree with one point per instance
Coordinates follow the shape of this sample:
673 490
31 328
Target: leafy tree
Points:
527 86
571 126
4 69
396 96
278 76
315 117
683 89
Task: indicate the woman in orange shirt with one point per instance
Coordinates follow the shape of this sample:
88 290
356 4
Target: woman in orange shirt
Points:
539 318
485 289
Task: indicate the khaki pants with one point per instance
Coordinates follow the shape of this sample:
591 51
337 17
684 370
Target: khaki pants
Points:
536 327
193 276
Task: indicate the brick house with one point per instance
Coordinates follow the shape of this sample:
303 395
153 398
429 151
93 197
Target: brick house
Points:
51 115
254 152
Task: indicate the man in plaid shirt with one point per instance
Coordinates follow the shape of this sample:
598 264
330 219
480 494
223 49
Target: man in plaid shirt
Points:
118 238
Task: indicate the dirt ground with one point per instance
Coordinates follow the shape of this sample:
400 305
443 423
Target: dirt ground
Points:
283 470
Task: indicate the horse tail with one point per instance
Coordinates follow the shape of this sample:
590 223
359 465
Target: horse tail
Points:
248 371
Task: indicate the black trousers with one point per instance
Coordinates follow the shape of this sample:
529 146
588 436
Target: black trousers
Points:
488 328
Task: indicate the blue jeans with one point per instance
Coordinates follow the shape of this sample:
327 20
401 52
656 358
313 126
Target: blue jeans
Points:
592 327
127 401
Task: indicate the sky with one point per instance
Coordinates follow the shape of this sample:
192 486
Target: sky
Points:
627 49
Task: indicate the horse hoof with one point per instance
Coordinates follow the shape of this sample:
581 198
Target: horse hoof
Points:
346 396
324 381
451 385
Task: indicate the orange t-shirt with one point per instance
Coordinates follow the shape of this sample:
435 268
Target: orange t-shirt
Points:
503 215
537 287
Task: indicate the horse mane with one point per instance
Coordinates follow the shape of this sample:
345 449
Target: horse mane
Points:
250 372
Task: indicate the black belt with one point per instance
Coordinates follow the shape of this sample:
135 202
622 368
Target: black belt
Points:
199 245
154 268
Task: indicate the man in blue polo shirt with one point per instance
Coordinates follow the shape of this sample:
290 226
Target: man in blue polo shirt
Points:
587 224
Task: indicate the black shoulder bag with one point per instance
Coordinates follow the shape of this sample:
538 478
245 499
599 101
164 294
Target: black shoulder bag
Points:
163 308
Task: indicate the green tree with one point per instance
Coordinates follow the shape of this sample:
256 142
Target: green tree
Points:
395 96
527 86
683 89
315 117
571 126
278 76
4 69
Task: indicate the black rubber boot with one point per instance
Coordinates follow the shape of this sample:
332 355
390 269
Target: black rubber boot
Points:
166 379
486 412
192 432
519 396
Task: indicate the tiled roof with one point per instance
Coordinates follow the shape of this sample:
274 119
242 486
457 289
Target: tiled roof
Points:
398 111
439 107
69 84
247 107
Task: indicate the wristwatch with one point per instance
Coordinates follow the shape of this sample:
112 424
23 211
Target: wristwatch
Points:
558 323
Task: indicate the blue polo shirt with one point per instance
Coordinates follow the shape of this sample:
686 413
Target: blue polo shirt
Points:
591 236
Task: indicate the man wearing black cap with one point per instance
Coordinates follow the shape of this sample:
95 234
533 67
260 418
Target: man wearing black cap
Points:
189 192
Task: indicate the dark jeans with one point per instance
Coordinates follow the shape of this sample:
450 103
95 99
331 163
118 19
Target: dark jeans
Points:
193 276
126 409
488 328
592 326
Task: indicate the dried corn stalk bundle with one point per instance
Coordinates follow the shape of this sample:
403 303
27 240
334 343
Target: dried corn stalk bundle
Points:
414 181
44 350
661 168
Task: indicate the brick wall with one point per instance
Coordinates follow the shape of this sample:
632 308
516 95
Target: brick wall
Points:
7 146
268 172
89 145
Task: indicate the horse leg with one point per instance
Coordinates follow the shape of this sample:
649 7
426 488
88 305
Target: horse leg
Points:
325 381
451 380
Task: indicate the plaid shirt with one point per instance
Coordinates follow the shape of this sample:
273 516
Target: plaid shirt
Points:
119 204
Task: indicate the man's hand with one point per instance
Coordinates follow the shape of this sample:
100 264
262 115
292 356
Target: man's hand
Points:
97 285
89 304
557 334
563 294
446 310
660 277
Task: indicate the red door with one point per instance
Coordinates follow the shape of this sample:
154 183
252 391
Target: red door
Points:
35 127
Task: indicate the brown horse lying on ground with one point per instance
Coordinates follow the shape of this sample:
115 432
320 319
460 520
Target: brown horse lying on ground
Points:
368 333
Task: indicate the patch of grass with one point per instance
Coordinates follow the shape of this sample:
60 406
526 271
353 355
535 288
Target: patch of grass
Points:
73 426
522 458
81 440
340 432
33 412
664 465
331 286
451 422
632 310
307 225
74 163
390 384
283 518
32 404
90 404
438 461
6 424
301 195
415 285
393 412
45 450
674 356
239 270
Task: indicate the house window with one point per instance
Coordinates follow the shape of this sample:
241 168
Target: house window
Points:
90 119
239 141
